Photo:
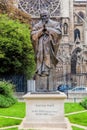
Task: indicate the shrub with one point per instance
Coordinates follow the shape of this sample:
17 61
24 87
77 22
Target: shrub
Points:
6 94
6 88
84 102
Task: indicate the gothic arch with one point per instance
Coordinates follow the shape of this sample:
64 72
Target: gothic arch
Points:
81 14
74 57
76 34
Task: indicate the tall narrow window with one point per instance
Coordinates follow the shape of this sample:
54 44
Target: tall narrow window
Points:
74 58
76 34
81 14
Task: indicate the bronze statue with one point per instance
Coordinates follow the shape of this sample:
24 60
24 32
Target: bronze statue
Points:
46 37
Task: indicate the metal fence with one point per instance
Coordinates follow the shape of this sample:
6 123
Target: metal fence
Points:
18 80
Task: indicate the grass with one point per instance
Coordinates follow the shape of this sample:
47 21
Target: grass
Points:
76 128
80 119
12 128
73 107
17 110
76 118
8 122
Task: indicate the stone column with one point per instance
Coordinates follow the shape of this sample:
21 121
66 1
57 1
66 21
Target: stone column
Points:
71 30
64 8
85 33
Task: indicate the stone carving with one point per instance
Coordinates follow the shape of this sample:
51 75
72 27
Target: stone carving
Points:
33 7
65 28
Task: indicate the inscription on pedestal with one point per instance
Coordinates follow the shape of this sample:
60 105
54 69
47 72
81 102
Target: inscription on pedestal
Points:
44 110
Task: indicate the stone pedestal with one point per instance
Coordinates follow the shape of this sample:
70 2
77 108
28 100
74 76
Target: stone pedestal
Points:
45 111
41 82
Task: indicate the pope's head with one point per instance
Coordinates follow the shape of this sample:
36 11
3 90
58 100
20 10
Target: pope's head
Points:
44 15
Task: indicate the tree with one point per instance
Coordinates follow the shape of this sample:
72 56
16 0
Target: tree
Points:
7 7
16 52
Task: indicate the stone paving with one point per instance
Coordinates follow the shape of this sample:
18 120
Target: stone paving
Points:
5 128
79 126
75 112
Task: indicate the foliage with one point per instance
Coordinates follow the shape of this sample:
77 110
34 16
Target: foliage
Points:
73 107
7 7
16 52
6 88
6 94
84 102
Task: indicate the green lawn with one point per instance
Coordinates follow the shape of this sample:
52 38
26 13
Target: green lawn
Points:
76 128
18 110
12 129
8 122
80 119
76 118
73 107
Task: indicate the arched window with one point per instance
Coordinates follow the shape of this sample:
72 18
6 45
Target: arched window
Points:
81 14
65 28
74 59
76 34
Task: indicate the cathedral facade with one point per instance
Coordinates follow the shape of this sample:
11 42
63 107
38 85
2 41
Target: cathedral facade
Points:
72 52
